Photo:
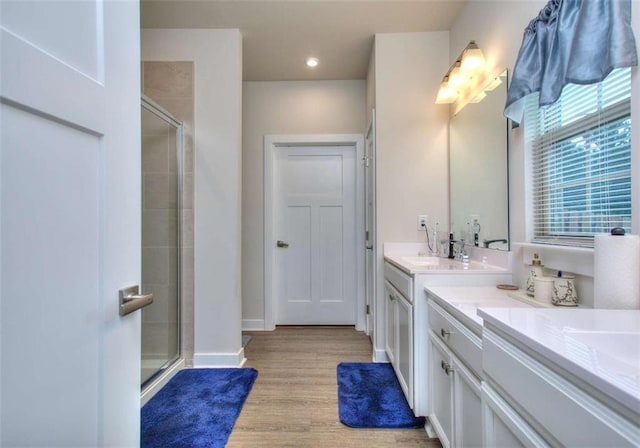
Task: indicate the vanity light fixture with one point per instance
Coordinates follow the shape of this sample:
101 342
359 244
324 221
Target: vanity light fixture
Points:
457 78
495 82
472 59
462 80
446 94
312 62
479 97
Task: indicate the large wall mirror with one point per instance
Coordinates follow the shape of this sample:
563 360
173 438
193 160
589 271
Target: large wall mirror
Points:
478 164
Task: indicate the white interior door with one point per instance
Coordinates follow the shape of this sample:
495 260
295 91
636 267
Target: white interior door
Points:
70 222
315 220
370 225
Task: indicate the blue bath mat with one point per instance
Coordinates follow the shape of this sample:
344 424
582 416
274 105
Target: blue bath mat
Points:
370 396
196 408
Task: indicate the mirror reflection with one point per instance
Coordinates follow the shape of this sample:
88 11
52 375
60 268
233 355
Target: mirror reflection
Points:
478 171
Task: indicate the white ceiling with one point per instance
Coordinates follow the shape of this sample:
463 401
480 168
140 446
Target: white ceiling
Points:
279 35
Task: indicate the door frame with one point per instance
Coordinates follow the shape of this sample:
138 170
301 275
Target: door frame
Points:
271 144
370 164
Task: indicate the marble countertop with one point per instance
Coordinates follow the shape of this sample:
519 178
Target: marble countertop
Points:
463 302
602 347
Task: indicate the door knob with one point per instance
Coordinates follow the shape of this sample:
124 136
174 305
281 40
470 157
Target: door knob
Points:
131 300
281 243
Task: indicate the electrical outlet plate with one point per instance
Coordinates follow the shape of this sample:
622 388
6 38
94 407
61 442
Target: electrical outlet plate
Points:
422 222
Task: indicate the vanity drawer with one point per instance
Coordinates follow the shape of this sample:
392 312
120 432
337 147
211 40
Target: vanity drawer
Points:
401 281
457 337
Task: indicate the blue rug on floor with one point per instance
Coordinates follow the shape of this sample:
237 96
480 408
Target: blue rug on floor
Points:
370 396
196 408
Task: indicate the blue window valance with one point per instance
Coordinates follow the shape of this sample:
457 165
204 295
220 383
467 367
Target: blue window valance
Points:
571 41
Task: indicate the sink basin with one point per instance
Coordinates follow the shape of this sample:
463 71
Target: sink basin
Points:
423 264
422 261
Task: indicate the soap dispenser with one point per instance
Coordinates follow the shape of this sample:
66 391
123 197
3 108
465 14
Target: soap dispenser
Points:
534 271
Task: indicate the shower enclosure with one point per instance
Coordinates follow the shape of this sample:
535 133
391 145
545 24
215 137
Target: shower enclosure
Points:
161 238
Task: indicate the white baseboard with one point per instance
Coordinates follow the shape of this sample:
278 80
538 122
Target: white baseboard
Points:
219 359
253 325
153 388
380 356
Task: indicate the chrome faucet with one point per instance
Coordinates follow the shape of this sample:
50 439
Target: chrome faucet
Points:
487 243
462 252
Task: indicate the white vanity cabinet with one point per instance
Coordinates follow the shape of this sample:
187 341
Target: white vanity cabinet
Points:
549 382
399 327
467 406
406 317
390 326
454 368
503 426
404 347
441 373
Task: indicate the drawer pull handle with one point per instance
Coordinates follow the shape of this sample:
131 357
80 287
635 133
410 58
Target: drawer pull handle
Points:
446 367
446 333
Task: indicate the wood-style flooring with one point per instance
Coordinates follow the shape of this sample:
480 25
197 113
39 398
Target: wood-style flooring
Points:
294 402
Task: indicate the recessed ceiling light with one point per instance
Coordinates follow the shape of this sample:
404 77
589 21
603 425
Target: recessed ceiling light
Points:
312 62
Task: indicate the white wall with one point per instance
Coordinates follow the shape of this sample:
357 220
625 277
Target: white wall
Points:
411 141
371 83
288 107
217 56
498 27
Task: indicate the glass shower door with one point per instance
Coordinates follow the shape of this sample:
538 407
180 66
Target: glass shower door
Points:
161 212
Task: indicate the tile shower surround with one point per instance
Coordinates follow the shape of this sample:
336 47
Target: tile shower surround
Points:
171 85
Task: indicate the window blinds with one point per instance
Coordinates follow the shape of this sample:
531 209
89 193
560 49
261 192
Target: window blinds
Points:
581 161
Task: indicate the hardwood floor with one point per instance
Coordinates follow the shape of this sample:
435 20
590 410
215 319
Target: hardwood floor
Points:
293 402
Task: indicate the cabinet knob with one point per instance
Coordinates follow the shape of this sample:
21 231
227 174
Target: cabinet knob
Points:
446 333
446 367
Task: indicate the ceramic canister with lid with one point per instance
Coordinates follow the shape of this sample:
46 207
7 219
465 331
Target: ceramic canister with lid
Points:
535 270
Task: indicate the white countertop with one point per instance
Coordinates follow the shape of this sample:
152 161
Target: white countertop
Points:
435 265
602 347
463 302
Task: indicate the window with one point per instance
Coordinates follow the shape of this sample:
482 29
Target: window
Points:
581 153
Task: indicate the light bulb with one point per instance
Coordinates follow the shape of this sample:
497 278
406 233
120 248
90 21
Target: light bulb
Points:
312 62
472 61
446 94
456 78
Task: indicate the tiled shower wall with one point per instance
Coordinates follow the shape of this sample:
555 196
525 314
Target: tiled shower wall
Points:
171 85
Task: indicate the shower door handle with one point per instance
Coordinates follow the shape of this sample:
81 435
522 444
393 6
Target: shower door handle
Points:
131 300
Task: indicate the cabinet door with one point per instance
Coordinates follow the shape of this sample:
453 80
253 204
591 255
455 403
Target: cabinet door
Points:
404 352
502 426
441 389
390 322
467 407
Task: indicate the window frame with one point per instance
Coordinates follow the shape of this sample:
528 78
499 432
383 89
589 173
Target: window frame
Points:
545 133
